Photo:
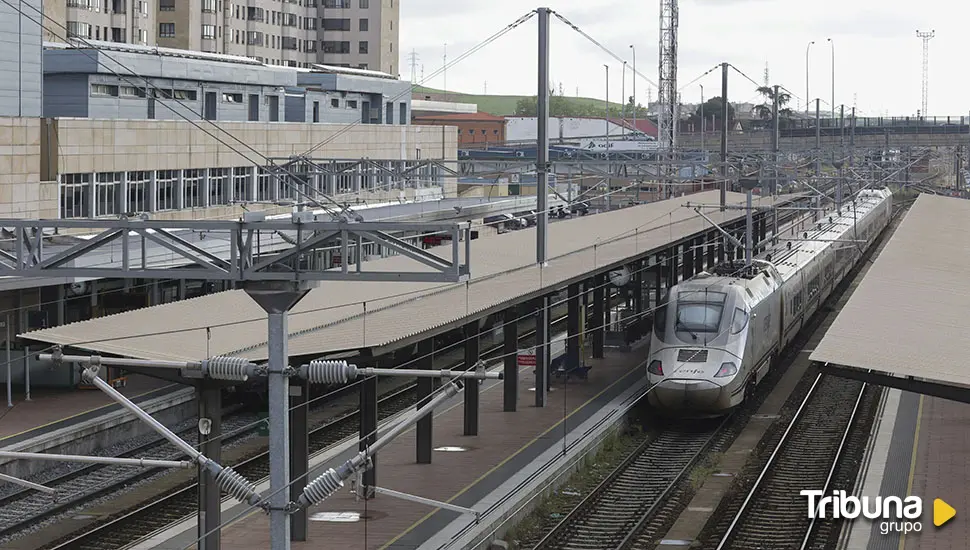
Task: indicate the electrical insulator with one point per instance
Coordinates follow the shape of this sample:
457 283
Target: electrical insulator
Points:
227 368
321 488
328 372
237 486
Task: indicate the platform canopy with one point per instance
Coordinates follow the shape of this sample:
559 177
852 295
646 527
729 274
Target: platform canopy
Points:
910 315
348 315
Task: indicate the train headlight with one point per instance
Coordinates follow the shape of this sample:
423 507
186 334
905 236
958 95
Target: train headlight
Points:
727 369
655 368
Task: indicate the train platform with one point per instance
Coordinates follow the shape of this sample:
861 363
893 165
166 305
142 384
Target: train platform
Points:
51 410
466 470
919 447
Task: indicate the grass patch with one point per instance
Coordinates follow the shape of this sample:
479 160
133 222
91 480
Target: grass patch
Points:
703 470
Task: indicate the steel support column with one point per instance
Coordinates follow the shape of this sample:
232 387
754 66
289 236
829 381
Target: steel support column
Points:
657 281
210 502
277 298
299 453
425 428
471 387
673 260
542 351
599 303
688 261
573 324
368 431
698 255
510 345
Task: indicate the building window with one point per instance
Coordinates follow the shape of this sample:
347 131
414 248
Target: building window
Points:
266 185
142 36
364 23
310 23
336 24
335 4
104 89
362 66
107 191
166 5
336 46
240 185
208 6
218 186
192 188
351 103
232 98
131 92
364 4
76 29
166 30
166 190
75 195
208 32
362 47
335 103
254 38
138 184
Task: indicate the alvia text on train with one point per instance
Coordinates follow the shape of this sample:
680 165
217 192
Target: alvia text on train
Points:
717 334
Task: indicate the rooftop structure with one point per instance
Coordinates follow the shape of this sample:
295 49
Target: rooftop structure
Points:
907 317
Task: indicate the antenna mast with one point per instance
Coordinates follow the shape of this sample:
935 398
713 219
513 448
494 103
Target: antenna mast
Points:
926 36
667 94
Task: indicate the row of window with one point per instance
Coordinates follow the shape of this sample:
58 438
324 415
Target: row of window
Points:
108 192
77 29
114 193
118 7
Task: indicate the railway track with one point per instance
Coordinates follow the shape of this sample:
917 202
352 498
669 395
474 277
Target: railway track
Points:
773 515
23 508
181 503
633 491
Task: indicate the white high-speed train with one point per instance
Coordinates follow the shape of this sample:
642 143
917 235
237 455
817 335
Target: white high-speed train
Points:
718 333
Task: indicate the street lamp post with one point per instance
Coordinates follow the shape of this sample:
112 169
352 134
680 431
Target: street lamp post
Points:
623 97
832 44
703 150
807 50
609 171
634 86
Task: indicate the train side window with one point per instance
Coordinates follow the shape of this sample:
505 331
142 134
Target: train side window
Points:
740 320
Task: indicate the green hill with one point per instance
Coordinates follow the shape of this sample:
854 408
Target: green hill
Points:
501 105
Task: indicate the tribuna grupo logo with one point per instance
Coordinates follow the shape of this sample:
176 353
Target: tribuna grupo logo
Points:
896 515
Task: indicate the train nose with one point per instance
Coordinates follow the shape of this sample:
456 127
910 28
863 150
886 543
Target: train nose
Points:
686 394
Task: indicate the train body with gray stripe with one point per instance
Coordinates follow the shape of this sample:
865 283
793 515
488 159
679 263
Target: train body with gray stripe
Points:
717 334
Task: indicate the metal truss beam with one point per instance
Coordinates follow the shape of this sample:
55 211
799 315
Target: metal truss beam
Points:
30 258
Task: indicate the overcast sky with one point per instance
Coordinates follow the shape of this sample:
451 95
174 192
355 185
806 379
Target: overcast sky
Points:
878 57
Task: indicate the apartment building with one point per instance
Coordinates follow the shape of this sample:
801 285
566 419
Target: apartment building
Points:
129 21
361 34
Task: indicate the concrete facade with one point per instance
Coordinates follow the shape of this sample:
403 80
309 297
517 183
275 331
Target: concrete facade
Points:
348 33
177 171
22 193
21 65
129 21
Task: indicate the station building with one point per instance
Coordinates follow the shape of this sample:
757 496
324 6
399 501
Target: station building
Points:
127 130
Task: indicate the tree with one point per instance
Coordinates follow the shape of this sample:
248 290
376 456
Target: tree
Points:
764 110
712 108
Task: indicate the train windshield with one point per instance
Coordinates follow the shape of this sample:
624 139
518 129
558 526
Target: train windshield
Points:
699 311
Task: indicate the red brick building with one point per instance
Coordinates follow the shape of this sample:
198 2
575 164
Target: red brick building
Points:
473 128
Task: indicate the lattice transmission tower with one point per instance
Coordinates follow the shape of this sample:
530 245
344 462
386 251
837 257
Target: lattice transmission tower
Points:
667 94
926 36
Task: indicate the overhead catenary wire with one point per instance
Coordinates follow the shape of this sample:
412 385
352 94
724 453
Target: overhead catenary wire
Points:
303 476
164 103
596 43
